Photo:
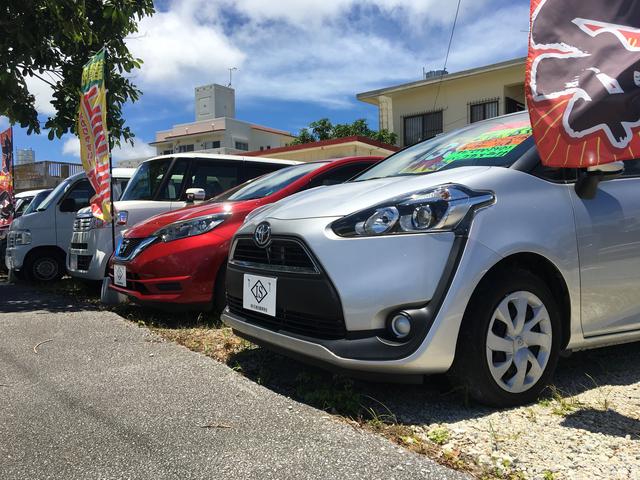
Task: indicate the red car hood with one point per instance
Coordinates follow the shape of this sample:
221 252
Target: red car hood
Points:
148 227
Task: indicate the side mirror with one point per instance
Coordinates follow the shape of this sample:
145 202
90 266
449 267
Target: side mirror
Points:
68 205
195 195
588 181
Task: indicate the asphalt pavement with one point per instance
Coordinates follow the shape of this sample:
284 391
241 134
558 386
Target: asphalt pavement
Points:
105 399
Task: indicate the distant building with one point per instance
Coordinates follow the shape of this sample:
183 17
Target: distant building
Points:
131 162
216 130
47 174
326 149
443 101
25 156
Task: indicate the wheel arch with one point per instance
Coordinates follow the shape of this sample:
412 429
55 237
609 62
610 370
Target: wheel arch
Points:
545 269
46 248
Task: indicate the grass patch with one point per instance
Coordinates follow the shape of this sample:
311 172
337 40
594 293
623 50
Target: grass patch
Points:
439 435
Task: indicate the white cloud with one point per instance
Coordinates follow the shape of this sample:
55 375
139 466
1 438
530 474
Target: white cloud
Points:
323 52
71 146
139 149
43 93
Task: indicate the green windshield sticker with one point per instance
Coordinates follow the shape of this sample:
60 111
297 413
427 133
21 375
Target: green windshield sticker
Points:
492 144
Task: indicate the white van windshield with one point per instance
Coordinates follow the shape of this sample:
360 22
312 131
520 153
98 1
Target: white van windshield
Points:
57 192
146 180
497 143
37 200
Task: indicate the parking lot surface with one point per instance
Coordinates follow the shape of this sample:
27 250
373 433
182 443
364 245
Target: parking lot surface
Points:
85 394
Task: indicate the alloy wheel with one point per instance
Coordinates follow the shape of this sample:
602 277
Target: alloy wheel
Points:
519 342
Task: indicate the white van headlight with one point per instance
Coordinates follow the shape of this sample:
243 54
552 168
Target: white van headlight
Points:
191 227
440 209
20 237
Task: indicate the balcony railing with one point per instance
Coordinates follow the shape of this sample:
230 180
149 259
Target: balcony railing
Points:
47 174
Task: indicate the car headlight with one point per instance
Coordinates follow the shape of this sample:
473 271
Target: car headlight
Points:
20 237
437 209
191 227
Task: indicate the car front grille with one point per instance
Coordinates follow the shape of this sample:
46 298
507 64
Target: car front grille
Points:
293 322
79 246
84 262
282 254
82 224
127 246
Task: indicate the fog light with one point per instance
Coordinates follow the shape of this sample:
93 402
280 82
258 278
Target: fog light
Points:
401 326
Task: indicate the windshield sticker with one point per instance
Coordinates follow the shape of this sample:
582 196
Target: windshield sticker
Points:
493 144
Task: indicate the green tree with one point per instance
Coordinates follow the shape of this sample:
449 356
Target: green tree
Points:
323 129
52 40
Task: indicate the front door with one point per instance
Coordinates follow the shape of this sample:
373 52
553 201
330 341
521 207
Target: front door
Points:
608 234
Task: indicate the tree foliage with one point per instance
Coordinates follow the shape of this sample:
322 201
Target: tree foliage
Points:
52 40
323 129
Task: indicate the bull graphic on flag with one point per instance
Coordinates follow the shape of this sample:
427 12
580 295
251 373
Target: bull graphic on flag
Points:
584 80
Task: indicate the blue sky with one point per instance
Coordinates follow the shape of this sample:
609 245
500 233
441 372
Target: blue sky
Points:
298 60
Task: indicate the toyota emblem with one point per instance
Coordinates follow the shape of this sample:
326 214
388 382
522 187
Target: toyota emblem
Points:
262 235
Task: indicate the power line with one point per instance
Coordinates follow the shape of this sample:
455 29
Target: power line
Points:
446 58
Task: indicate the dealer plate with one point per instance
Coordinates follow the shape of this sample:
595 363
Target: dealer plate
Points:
120 275
259 294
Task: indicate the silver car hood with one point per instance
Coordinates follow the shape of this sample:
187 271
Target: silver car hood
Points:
347 198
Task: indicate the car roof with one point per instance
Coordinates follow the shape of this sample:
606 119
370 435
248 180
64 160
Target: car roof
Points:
31 193
215 156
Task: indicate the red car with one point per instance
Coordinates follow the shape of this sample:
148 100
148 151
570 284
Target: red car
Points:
180 257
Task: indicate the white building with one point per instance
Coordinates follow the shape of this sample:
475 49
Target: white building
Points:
216 130
25 156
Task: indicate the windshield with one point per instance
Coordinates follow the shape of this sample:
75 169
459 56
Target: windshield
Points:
267 184
59 190
146 180
497 143
37 200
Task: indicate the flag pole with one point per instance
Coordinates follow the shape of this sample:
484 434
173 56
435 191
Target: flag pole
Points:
113 211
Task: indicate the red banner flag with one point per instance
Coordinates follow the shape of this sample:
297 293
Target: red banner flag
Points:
6 177
583 81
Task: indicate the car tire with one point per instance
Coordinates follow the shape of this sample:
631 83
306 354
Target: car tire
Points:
45 266
509 340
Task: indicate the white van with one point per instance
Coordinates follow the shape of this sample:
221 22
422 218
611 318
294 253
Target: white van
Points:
37 242
159 185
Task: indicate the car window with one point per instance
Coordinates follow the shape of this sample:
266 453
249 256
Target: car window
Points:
269 184
147 179
256 169
339 174
119 185
37 201
214 176
498 143
172 189
21 205
81 193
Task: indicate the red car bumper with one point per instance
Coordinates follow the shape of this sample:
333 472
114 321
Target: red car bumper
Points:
182 272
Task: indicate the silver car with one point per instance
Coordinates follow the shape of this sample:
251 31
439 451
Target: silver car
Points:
461 254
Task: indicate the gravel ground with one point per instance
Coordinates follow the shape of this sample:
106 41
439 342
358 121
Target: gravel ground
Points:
588 427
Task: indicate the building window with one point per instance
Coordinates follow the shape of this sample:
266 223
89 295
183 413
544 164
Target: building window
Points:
422 127
211 145
242 146
261 148
167 152
185 148
483 110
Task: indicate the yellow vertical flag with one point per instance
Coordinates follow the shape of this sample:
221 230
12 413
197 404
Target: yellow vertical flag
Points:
92 131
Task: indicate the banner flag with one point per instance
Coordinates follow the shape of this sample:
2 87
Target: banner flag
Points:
6 177
94 139
583 81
